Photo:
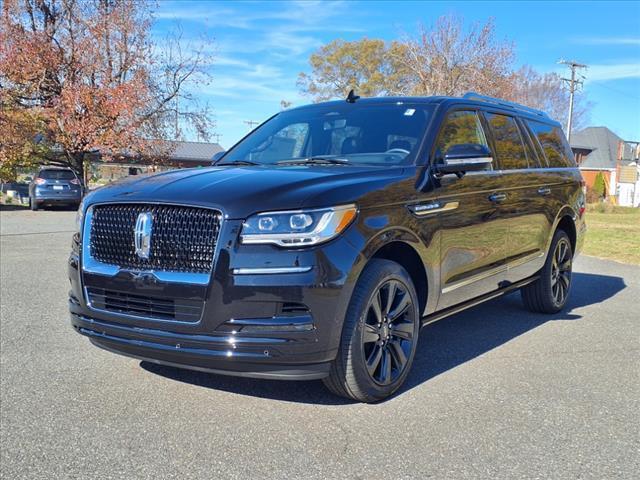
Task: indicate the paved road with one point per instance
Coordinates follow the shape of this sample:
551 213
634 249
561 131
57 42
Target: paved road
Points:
495 393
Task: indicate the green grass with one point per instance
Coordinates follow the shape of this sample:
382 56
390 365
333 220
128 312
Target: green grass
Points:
613 233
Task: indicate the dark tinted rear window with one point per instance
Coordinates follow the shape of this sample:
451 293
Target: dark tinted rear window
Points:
509 146
553 143
56 175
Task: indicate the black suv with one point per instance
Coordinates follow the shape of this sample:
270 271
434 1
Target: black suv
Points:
318 245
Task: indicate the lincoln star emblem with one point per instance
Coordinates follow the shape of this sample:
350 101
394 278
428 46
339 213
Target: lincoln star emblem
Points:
142 235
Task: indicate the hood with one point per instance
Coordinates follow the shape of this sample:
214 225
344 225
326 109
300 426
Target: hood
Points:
241 191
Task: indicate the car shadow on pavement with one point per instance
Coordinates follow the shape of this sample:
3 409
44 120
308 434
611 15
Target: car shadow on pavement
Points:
443 345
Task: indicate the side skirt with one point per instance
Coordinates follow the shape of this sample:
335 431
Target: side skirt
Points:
434 317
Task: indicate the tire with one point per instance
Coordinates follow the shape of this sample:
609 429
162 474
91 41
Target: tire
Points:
550 292
33 205
371 333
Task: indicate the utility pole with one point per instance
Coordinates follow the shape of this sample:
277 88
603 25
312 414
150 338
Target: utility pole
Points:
217 137
252 123
573 86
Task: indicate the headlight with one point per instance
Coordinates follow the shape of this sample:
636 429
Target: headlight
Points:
299 228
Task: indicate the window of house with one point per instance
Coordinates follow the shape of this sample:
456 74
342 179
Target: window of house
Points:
508 141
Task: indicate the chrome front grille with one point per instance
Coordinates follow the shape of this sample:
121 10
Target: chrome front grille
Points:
183 239
145 306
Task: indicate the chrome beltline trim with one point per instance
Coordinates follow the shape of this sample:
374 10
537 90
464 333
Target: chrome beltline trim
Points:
493 271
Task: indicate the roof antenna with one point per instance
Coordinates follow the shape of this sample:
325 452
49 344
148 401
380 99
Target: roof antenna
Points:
352 97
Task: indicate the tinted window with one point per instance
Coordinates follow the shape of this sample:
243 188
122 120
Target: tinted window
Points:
553 143
56 175
388 134
509 146
460 127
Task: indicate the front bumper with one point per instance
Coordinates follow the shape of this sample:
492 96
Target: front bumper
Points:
280 326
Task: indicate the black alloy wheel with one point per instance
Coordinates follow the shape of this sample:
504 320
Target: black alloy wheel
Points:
550 292
561 271
387 339
380 334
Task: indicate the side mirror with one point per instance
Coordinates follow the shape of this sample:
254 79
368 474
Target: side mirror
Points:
465 157
217 156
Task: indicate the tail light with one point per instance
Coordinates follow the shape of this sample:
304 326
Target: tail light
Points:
75 181
40 181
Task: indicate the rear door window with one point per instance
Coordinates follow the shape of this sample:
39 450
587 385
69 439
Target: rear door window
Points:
460 126
508 141
554 144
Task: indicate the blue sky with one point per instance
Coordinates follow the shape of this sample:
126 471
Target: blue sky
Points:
260 47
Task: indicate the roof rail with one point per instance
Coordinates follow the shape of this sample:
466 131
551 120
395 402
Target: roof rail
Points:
503 103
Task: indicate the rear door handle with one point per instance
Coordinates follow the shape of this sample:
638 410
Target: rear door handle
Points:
544 191
497 197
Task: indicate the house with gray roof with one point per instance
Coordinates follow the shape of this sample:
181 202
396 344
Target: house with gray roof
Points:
600 151
181 155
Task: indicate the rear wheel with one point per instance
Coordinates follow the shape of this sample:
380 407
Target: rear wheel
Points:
550 292
379 336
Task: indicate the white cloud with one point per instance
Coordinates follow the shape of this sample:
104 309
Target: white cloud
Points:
601 73
607 41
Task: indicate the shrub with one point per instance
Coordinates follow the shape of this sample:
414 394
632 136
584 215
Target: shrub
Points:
599 185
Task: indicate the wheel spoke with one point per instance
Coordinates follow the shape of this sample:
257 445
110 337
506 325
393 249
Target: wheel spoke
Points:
565 266
402 306
376 307
560 298
374 359
391 295
370 334
564 279
402 330
385 367
397 352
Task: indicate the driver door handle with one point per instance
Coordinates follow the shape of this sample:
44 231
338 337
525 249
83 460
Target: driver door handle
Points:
497 197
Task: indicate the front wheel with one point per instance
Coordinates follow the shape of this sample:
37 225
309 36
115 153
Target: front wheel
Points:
379 336
550 292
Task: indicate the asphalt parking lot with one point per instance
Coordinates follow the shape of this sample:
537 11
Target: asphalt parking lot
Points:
495 392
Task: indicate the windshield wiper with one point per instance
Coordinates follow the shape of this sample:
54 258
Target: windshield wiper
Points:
314 161
237 162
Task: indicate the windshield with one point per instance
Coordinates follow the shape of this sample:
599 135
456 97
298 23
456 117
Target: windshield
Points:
387 134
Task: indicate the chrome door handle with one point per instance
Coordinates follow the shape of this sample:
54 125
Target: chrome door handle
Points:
544 191
497 197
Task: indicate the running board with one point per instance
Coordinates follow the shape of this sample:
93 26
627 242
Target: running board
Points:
434 317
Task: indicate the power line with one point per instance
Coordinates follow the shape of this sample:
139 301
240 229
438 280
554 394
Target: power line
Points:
574 84
252 123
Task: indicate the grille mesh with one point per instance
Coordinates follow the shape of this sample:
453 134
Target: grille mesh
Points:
182 310
183 238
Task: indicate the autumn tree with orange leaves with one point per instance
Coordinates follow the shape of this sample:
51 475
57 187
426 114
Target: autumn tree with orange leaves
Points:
77 76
